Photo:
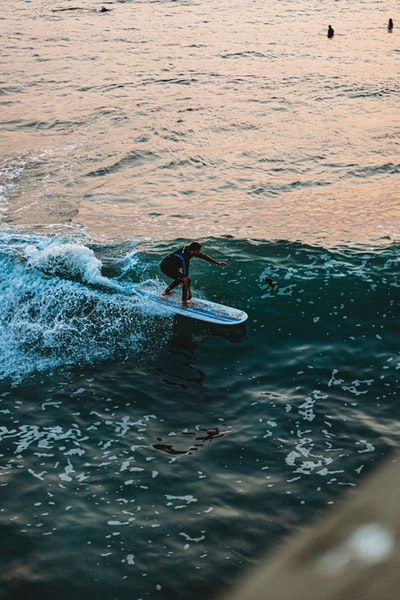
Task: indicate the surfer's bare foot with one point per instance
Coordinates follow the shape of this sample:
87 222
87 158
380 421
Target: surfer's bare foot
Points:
186 304
166 292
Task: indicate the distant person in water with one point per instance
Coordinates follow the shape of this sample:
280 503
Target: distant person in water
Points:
331 31
176 266
390 25
269 281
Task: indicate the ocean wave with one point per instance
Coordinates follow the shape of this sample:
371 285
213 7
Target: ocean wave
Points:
59 311
136 157
68 302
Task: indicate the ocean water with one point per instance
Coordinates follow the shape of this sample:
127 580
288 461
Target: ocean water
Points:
145 456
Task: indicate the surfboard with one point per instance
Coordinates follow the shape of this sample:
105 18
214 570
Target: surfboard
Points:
202 310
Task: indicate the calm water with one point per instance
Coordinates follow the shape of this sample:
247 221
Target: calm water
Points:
149 457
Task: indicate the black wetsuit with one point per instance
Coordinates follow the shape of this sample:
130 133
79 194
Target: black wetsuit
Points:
176 266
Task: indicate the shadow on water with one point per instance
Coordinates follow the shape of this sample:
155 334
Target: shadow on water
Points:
185 330
180 367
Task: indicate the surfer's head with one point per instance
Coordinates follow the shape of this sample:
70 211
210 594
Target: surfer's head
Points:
195 247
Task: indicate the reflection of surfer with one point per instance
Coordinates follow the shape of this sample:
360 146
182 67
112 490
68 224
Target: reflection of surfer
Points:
176 266
208 435
169 449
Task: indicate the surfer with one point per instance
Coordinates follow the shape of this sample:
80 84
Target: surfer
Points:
331 31
176 266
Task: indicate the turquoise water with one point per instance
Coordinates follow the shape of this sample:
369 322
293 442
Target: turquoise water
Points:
146 456
143 453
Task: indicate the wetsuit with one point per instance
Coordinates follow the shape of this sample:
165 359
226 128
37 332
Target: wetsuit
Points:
176 266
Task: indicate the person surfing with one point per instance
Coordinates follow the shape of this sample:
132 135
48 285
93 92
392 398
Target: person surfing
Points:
176 266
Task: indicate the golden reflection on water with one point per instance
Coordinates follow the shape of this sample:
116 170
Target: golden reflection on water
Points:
154 121
363 212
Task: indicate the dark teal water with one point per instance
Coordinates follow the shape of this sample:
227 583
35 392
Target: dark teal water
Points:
145 455
150 457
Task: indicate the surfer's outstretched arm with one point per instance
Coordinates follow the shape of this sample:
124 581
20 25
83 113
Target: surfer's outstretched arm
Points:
220 263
